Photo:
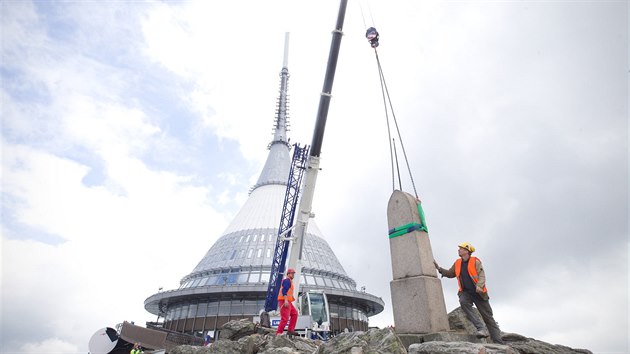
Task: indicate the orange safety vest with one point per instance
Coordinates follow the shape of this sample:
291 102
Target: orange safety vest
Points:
289 293
472 271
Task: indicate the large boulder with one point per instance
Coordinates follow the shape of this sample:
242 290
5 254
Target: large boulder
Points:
253 343
237 329
285 344
458 321
526 345
459 348
343 343
224 346
221 346
374 341
283 350
187 349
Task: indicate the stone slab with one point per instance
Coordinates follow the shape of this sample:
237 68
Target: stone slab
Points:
418 305
450 336
411 253
462 348
409 339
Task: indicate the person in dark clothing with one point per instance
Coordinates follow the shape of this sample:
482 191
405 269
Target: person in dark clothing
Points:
472 290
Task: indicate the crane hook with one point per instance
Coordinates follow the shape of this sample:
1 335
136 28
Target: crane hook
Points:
372 36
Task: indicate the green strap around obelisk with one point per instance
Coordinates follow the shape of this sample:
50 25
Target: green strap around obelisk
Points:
413 226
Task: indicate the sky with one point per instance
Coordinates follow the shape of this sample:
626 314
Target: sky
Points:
132 132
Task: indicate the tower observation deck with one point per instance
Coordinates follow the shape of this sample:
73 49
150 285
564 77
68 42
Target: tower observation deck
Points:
230 282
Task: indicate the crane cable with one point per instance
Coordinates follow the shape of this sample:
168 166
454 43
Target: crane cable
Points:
373 36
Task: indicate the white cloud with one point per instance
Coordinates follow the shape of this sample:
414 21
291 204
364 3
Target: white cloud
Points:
233 64
97 256
52 345
106 266
557 297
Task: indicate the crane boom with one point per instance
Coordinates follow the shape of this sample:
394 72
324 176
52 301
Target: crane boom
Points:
306 202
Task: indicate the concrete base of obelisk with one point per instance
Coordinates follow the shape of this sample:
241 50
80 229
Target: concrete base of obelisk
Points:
418 305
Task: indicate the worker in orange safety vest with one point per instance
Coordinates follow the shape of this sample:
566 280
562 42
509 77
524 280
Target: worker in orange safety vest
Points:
288 313
472 290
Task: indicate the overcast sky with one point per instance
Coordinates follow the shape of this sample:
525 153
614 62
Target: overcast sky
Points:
132 132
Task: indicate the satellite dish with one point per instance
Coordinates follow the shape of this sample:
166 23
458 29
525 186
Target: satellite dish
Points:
103 341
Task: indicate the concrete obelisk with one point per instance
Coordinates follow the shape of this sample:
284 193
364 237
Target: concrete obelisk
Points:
417 296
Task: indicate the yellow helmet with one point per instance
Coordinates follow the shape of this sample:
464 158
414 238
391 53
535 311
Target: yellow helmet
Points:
467 246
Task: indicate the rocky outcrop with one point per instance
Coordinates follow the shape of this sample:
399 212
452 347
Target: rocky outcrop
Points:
254 344
459 323
459 348
374 341
526 345
246 337
235 330
521 344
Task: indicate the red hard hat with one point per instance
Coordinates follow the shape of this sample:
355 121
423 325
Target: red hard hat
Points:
290 270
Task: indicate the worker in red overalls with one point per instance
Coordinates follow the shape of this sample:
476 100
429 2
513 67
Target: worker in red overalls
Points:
288 313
